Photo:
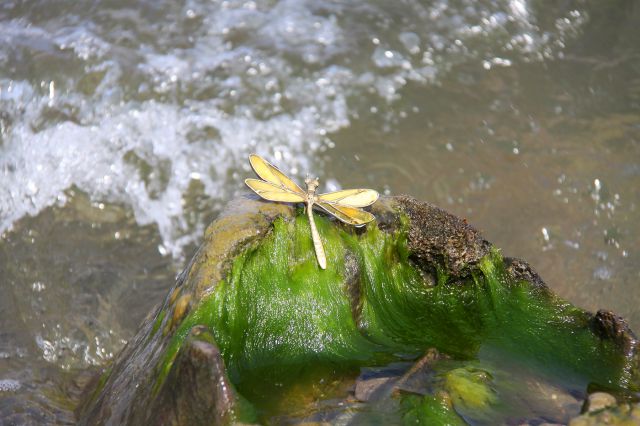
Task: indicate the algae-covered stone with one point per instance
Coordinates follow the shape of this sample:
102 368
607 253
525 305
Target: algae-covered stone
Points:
430 410
269 335
470 388
198 371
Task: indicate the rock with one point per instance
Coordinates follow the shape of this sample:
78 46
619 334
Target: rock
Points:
609 326
366 389
439 238
252 320
389 381
599 401
617 415
197 379
415 380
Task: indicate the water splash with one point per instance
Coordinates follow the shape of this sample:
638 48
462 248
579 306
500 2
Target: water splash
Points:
134 105
9 385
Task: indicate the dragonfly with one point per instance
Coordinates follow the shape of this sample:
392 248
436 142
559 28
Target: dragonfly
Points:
345 205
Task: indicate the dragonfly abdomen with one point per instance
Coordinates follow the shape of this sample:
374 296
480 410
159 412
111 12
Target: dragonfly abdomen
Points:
317 242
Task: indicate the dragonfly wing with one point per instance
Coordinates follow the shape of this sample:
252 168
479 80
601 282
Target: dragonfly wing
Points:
350 197
272 174
272 192
348 215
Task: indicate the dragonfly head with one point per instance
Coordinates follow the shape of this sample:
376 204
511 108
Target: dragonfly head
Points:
312 184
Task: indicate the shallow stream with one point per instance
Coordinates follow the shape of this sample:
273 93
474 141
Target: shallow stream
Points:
125 128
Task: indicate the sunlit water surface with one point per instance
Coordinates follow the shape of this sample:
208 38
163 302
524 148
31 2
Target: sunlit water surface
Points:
125 129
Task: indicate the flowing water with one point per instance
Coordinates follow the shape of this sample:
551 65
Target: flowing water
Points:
125 128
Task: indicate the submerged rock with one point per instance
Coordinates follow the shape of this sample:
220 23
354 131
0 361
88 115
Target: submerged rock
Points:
598 401
608 412
254 330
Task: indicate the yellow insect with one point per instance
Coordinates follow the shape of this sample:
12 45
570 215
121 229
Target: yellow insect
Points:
276 186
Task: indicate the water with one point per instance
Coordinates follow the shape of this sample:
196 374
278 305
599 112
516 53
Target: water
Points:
125 129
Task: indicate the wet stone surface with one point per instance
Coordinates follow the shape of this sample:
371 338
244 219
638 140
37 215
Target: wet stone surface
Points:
191 342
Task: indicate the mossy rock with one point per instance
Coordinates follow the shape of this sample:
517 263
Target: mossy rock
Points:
255 331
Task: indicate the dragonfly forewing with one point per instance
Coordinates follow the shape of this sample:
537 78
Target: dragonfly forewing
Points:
272 192
271 173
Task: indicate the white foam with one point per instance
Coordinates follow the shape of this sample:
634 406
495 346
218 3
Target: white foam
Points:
9 385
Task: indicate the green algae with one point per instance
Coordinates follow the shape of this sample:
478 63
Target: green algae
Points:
470 388
277 305
101 382
280 321
429 410
157 323
547 331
